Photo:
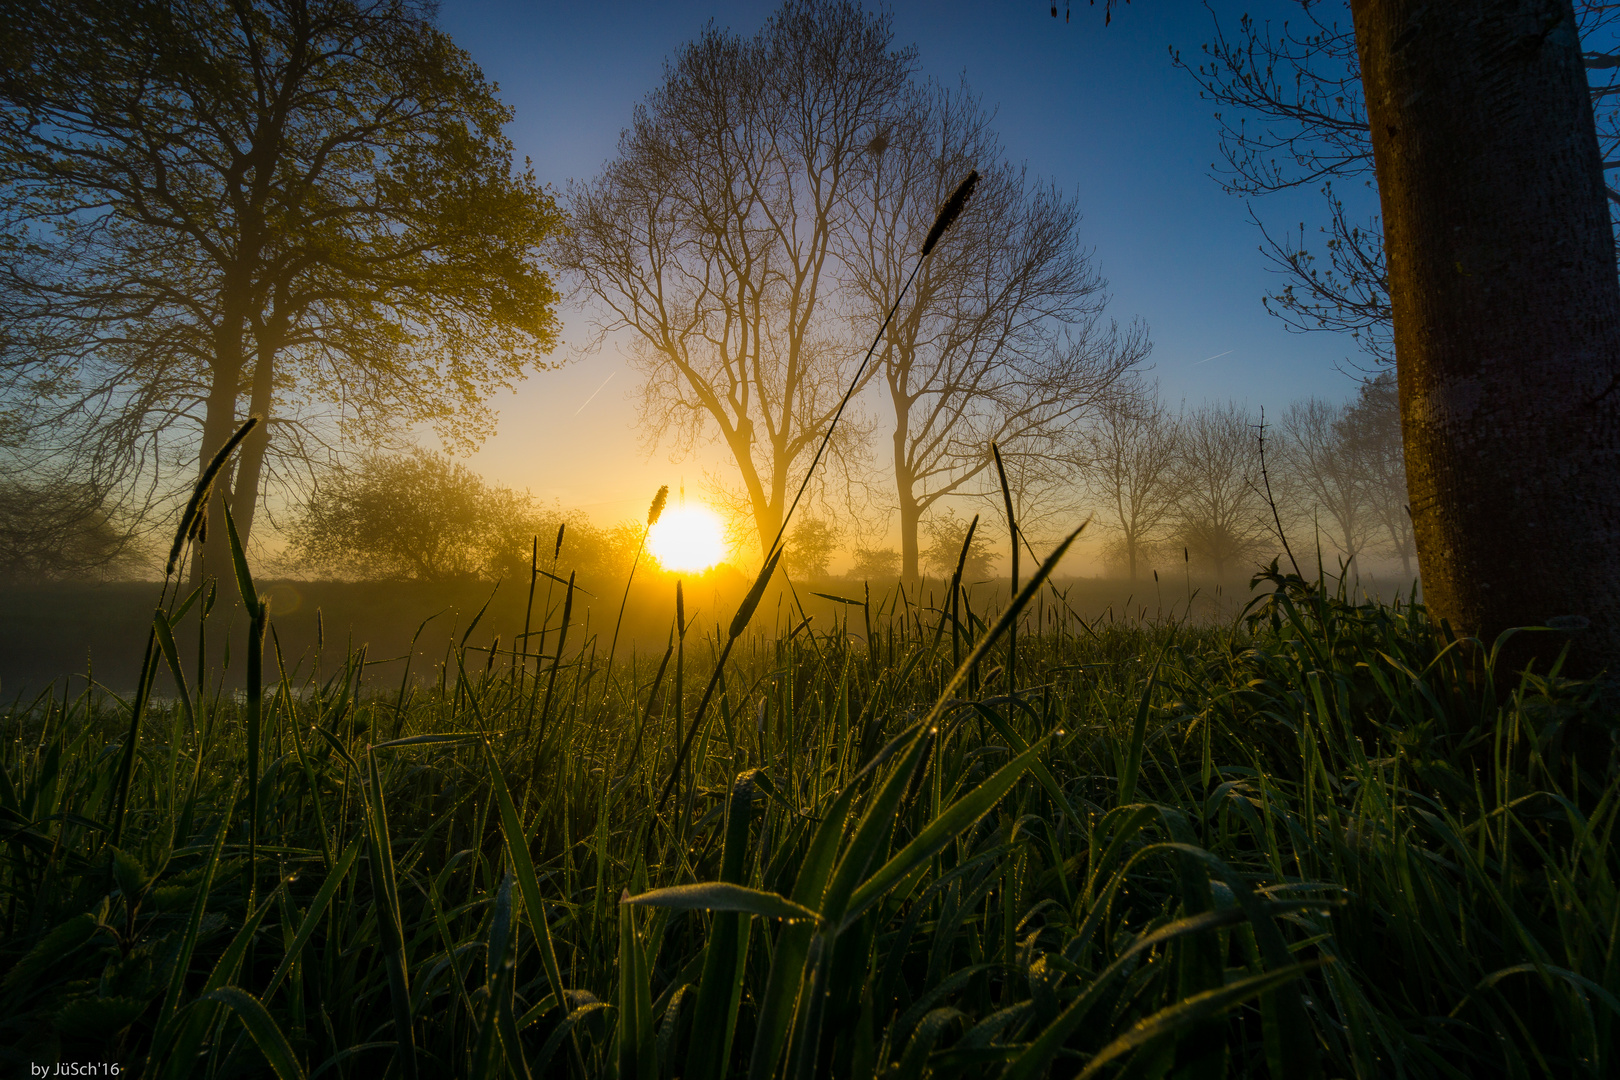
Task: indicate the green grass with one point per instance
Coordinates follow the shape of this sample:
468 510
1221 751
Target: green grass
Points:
1324 841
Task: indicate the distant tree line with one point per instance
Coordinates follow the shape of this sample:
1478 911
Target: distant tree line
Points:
1201 486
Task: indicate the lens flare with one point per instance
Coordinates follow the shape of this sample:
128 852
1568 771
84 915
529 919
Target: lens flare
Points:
688 539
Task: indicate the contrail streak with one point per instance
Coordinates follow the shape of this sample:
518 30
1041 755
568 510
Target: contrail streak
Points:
1217 356
598 390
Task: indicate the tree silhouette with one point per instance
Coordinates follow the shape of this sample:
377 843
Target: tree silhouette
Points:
305 210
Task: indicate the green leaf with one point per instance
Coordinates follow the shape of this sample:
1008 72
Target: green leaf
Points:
244 579
723 896
98 1017
1191 1011
130 875
793 942
312 918
53 950
517 851
425 740
1133 760
939 832
271 1042
1034 1060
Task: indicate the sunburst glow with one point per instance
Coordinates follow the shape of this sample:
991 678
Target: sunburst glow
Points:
687 538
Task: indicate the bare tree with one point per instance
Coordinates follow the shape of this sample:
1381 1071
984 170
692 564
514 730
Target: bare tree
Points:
1371 427
54 527
1129 452
1001 339
711 236
1322 464
1221 515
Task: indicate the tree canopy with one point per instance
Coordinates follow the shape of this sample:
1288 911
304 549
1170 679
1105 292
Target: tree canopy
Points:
304 210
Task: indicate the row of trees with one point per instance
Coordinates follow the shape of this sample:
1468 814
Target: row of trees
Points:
1211 485
1215 484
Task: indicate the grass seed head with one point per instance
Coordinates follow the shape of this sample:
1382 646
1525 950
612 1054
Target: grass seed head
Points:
952 210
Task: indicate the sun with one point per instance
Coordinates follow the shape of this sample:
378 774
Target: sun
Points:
688 539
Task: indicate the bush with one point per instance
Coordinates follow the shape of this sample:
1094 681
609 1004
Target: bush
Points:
51 531
424 517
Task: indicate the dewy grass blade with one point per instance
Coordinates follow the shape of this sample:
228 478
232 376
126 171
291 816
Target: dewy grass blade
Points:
271 1042
1133 759
1191 1011
188 939
939 832
517 851
389 917
793 943
312 917
720 987
722 896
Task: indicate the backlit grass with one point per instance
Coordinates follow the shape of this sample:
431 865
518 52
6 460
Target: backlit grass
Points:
1320 841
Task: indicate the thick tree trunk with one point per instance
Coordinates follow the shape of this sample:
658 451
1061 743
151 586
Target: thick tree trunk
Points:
905 484
1507 315
250 468
910 549
219 422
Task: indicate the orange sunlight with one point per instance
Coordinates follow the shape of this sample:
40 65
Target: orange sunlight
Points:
688 539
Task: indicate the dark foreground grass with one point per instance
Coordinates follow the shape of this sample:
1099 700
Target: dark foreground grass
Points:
1320 842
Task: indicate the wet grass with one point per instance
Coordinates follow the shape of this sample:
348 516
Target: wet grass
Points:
1319 841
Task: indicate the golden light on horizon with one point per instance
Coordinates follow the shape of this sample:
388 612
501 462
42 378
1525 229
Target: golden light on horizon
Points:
688 539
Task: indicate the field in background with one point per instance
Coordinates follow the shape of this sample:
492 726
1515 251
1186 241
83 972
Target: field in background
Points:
1321 842
57 630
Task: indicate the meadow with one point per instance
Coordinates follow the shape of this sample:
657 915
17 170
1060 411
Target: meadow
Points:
1325 838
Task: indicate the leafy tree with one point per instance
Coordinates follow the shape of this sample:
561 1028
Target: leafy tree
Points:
810 548
711 236
875 563
945 533
300 209
1001 338
420 515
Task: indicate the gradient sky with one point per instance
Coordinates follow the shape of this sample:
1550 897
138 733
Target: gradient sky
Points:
1100 111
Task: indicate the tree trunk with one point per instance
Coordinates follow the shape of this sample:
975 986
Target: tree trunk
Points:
910 549
219 422
1507 315
905 482
250 466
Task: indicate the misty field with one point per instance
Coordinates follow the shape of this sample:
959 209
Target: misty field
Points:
1324 839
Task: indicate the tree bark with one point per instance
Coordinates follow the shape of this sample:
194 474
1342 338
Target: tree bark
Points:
250 467
219 422
1507 316
905 492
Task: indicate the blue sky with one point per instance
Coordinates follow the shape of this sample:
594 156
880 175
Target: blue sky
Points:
1099 111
